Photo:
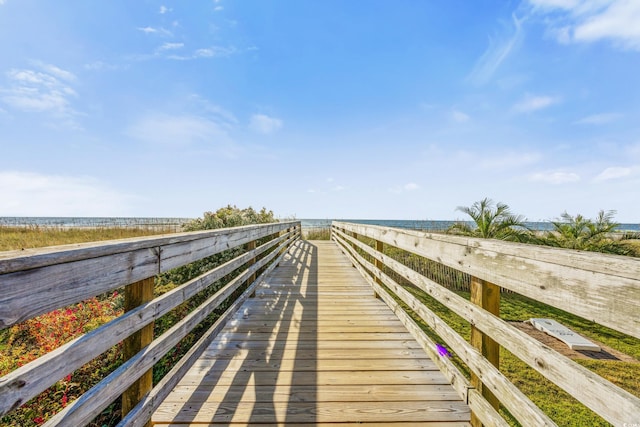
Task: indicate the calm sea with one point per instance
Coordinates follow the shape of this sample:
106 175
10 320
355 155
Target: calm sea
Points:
429 225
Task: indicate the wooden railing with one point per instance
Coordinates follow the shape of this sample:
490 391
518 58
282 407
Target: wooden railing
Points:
33 282
597 287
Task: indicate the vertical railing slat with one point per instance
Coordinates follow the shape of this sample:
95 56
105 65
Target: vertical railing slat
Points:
487 296
135 295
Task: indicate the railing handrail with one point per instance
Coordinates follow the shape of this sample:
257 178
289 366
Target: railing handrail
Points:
601 287
37 281
72 273
608 400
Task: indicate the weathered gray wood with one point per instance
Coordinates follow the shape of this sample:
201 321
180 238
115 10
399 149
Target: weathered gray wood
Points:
485 412
525 411
487 296
141 414
450 371
602 288
37 281
243 380
135 295
29 380
593 391
100 396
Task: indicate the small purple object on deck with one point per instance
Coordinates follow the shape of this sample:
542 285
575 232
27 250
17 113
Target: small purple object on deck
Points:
442 350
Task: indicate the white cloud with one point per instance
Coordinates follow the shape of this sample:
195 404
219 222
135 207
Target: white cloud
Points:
153 30
42 91
532 103
164 9
555 177
147 30
209 52
411 186
100 65
599 119
264 124
613 173
593 20
179 130
218 8
34 194
459 116
498 51
2 2
171 46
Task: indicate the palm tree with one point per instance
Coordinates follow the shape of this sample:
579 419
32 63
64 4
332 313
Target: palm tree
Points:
492 221
578 232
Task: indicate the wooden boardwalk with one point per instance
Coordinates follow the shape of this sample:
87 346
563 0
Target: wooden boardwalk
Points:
314 347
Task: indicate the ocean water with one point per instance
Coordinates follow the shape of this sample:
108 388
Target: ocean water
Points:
66 222
427 225
432 225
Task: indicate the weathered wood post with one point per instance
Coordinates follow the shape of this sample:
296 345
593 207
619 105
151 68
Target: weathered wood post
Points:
251 246
353 245
487 296
378 263
135 295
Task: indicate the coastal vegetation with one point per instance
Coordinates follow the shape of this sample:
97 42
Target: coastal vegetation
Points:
492 221
496 221
29 340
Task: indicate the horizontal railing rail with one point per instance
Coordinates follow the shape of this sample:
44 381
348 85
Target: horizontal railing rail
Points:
34 282
598 287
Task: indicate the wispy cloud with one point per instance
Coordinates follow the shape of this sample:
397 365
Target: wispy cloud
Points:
531 103
459 117
498 51
555 177
599 119
100 65
209 52
28 193
153 30
616 172
410 186
171 46
587 21
179 130
264 124
164 9
46 89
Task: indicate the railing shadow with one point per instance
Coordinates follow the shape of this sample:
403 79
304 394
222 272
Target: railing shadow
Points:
262 342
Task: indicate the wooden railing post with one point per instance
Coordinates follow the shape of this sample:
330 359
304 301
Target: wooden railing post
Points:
353 245
487 296
378 263
135 295
251 246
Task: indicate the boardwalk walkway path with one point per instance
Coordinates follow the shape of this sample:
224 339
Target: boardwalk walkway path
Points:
313 347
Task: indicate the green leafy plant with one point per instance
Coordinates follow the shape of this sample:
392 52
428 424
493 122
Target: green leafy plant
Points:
492 221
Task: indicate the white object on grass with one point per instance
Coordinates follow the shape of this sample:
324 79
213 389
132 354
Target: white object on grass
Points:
564 334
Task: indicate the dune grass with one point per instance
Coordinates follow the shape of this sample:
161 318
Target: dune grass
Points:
16 238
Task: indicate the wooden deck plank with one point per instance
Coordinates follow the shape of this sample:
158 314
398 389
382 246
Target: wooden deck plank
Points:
313 347
330 412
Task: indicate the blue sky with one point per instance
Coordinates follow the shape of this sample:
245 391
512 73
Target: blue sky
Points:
332 109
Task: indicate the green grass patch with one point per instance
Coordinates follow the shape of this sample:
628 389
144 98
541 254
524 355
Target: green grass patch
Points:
555 402
16 238
317 234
